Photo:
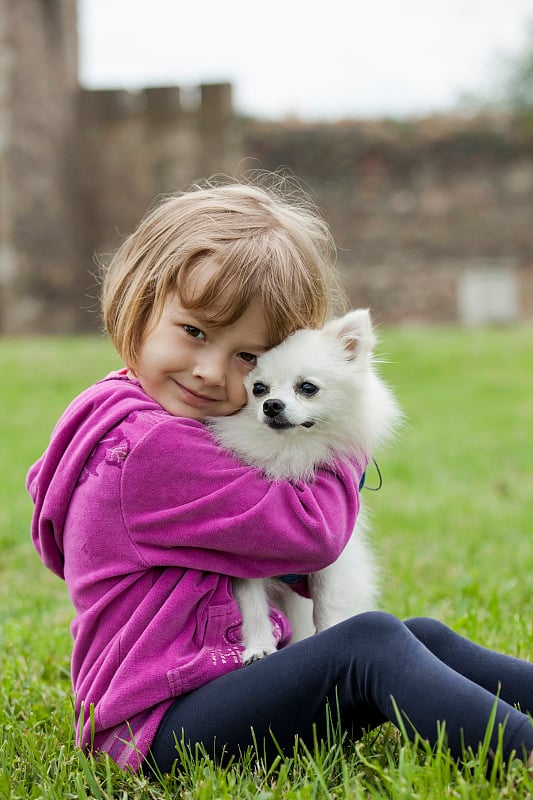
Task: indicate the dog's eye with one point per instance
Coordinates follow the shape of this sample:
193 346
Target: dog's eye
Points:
308 389
259 389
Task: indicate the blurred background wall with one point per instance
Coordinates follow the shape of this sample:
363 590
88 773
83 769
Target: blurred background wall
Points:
433 217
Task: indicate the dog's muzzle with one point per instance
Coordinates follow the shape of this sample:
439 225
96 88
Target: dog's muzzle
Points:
275 417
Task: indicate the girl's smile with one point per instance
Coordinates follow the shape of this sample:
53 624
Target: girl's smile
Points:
194 397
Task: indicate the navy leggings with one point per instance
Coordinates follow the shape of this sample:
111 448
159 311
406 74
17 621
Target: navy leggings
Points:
355 669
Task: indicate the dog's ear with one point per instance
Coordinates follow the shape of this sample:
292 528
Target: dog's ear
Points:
355 332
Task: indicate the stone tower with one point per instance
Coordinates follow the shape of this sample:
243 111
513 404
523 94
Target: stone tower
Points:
40 288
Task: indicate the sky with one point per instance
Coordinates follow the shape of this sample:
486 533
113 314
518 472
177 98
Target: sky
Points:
312 59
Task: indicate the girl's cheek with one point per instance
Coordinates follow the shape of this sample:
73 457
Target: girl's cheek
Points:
240 390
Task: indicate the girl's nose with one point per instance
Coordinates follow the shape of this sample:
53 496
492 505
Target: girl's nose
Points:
211 367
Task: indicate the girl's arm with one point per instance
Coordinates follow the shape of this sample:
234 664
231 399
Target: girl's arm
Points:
187 502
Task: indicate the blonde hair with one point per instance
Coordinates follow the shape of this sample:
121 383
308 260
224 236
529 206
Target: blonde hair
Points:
266 244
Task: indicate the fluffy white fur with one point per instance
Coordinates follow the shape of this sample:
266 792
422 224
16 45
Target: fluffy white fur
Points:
315 397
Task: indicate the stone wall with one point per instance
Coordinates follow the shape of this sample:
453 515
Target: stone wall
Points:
433 218
415 206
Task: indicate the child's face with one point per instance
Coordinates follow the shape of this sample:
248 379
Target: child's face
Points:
196 371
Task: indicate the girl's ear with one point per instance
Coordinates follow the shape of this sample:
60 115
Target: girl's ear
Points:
355 332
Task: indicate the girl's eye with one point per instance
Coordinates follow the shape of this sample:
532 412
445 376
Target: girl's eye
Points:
249 358
307 389
196 333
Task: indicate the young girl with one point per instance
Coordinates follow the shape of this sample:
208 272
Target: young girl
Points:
147 519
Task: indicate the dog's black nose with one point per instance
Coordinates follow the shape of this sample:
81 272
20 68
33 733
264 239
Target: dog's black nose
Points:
273 407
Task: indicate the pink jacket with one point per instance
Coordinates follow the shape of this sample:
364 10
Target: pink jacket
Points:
147 518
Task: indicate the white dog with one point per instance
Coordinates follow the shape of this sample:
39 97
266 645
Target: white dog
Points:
311 399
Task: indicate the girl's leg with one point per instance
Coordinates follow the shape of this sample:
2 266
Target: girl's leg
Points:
511 678
356 667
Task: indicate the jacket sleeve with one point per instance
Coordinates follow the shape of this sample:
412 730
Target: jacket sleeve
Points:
187 502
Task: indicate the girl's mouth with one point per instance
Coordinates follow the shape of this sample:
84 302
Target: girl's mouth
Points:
195 398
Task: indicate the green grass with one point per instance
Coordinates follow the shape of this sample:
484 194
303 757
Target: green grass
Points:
452 525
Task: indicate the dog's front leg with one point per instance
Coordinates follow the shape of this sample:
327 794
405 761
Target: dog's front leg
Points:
320 591
257 636
347 587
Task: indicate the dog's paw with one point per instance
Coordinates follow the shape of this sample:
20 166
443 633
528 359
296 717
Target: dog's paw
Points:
252 654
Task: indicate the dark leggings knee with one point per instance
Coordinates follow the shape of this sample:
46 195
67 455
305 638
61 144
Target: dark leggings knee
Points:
372 627
427 630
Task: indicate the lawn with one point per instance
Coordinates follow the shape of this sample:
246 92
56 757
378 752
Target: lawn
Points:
452 526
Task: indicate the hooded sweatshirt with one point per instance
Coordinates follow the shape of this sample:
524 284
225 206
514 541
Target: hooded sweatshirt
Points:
147 519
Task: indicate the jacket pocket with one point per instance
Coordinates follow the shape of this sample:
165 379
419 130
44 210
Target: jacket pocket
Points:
218 653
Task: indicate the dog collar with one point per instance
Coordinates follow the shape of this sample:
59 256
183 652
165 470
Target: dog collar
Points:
290 578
